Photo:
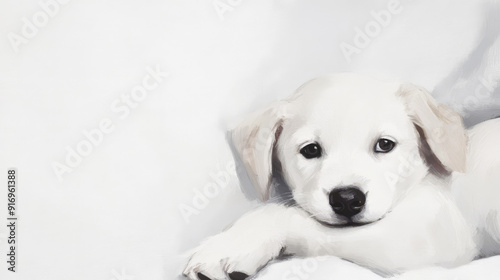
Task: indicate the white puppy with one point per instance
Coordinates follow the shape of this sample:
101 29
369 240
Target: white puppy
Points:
380 173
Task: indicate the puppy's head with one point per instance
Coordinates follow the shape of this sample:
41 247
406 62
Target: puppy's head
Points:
349 147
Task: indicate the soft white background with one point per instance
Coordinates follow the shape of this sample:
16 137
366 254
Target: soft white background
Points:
117 213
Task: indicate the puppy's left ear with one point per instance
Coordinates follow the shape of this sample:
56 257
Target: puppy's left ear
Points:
442 126
254 140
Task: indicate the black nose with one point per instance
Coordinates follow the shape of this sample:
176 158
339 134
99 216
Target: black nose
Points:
347 201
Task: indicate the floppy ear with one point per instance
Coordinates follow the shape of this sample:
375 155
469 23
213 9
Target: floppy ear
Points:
254 140
442 126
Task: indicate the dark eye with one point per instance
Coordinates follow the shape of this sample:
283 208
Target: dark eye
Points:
384 145
311 151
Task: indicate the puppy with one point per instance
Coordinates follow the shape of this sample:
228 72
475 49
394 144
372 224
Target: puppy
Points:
380 174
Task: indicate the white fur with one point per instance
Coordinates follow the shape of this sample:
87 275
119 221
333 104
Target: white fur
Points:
422 209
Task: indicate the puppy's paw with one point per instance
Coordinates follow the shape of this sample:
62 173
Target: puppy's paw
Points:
228 256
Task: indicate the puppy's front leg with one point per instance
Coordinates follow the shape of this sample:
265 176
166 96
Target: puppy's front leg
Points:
249 244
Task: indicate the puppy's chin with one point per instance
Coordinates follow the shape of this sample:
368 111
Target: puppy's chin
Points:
341 221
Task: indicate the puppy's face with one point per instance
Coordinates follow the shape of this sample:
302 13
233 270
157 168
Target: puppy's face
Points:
348 145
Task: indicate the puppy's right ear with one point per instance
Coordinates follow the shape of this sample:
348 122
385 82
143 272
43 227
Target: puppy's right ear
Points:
442 127
254 140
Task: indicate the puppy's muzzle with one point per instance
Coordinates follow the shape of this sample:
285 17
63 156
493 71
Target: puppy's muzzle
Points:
347 201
